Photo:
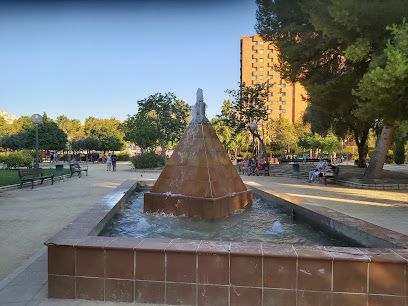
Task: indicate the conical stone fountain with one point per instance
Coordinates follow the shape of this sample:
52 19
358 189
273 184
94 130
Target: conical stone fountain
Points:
199 179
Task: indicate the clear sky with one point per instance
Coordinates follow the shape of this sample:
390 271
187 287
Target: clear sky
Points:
98 58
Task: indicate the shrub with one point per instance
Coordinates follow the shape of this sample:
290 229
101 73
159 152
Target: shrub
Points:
124 156
19 159
389 159
399 152
147 160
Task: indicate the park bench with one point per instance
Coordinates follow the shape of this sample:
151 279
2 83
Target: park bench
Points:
34 174
264 171
77 168
330 174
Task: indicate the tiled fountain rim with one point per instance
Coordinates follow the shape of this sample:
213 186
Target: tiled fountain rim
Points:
81 233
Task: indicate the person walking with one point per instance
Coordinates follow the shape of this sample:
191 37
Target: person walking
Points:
114 158
108 162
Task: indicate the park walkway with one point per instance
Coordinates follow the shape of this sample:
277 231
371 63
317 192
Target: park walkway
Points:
28 217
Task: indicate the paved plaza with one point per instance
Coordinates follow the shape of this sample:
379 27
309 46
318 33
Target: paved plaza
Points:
28 217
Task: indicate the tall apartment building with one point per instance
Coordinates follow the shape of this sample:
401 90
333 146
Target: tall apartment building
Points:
258 58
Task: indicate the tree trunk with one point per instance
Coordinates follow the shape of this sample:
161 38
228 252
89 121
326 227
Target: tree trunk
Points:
377 161
164 153
361 142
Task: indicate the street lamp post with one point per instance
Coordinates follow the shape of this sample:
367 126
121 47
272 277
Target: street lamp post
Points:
36 119
253 127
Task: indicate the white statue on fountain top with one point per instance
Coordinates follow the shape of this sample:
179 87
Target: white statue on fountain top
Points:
198 109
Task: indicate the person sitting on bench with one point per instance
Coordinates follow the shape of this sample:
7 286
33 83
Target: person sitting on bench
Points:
319 168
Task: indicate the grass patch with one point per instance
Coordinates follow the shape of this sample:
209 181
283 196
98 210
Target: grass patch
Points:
10 177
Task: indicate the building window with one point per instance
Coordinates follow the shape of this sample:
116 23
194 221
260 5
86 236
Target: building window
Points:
255 43
261 51
270 102
261 77
283 110
254 69
260 68
270 68
269 111
254 60
261 60
270 51
270 60
271 77
283 94
283 102
284 85
255 77
261 42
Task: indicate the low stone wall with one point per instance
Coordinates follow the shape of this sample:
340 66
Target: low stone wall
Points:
198 272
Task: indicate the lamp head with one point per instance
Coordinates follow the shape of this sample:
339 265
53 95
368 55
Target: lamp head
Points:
36 119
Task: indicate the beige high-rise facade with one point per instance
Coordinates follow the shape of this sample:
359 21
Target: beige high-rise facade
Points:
258 58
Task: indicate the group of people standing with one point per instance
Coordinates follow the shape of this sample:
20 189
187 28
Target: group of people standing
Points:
111 162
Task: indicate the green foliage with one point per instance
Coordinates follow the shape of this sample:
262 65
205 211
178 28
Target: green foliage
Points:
399 151
161 119
19 159
147 160
108 132
282 133
384 88
248 106
330 46
141 130
124 156
73 128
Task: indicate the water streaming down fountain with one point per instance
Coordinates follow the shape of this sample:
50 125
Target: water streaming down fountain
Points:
199 179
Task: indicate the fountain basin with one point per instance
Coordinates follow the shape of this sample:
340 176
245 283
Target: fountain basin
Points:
198 272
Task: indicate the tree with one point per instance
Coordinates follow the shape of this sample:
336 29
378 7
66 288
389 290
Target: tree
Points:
168 115
282 134
73 128
247 107
141 130
328 45
107 131
50 136
384 92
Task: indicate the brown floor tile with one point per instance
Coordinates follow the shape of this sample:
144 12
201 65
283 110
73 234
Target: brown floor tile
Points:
119 290
383 300
305 298
246 271
213 269
89 288
212 295
61 287
180 294
279 297
241 296
387 278
181 267
150 265
119 264
314 275
279 272
149 292
90 262
350 276
342 299
61 260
